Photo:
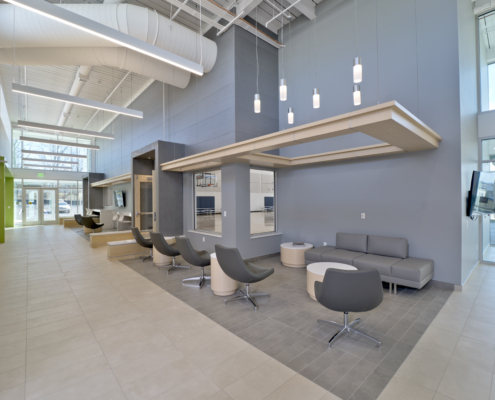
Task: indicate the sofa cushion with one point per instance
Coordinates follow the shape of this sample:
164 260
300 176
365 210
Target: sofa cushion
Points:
341 256
388 246
381 263
314 255
352 242
412 269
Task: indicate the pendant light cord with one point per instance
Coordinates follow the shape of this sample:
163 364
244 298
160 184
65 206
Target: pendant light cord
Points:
283 44
13 60
355 18
200 33
314 31
417 57
377 70
257 62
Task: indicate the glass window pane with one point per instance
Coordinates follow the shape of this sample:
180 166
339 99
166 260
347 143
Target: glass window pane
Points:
18 183
67 184
40 183
17 204
208 201
262 196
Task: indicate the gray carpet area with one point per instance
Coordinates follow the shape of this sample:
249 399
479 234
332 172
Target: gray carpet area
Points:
285 326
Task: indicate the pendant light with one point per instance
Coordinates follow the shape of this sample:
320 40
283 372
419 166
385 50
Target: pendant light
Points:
316 98
357 68
316 91
290 116
283 89
257 100
357 95
257 103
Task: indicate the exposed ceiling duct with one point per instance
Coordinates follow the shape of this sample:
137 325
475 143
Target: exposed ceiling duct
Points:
43 41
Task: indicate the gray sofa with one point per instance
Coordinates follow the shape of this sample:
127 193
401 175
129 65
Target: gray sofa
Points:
389 255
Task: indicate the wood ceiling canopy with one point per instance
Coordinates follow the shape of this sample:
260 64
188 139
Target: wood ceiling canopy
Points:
117 180
389 122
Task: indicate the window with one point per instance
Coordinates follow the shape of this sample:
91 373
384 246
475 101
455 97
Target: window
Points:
487 60
262 196
49 162
208 201
69 198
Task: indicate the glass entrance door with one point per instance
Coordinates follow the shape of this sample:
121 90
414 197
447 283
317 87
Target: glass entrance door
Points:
39 206
30 207
50 206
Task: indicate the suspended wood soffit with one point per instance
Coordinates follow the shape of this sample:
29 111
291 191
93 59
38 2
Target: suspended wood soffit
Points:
398 129
117 180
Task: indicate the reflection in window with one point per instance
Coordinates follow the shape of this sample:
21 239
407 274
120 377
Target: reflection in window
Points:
208 201
262 193
487 60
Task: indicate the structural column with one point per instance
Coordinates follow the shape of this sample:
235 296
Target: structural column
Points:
2 200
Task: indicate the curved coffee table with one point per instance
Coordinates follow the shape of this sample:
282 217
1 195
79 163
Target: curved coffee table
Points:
316 273
293 256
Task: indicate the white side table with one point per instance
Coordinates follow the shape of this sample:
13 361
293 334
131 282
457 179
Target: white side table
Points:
293 256
221 284
159 259
316 273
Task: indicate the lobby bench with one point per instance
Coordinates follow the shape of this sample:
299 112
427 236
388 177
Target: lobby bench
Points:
102 238
389 255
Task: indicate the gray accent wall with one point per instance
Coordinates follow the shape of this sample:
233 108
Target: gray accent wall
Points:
417 195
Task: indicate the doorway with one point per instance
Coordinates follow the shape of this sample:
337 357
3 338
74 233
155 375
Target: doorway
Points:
143 202
39 206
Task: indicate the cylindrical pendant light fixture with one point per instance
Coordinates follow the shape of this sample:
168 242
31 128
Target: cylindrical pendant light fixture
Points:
357 95
357 70
290 116
283 89
257 103
316 98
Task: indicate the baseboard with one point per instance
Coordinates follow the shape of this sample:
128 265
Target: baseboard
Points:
443 285
263 257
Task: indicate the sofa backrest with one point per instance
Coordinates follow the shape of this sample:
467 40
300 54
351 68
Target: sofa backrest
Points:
352 242
388 246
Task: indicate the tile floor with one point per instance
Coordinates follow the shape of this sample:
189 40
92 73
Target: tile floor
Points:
76 326
285 328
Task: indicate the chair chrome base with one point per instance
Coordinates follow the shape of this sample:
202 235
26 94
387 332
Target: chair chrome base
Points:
148 257
245 295
174 266
202 279
347 327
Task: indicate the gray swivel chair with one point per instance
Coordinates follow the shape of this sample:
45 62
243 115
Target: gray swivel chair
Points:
166 249
89 223
78 218
233 265
349 291
193 257
140 240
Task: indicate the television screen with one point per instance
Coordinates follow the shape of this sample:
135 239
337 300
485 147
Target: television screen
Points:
480 199
119 198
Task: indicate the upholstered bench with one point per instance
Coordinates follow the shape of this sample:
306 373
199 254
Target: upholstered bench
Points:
389 255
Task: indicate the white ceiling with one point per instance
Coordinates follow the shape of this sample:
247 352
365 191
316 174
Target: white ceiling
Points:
103 80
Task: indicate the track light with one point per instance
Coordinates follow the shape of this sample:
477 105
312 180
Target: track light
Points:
56 128
78 101
290 116
257 103
316 98
283 89
87 25
47 153
59 143
357 95
357 70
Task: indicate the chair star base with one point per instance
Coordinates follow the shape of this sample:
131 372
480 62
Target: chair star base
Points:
201 279
347 327
245 295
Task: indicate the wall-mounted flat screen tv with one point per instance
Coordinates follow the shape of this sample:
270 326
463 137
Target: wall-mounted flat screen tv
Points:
119 198
480 200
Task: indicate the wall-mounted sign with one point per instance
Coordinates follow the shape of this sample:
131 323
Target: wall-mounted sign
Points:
41 175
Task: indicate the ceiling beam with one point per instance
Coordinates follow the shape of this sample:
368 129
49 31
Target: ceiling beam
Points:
306 7
219 17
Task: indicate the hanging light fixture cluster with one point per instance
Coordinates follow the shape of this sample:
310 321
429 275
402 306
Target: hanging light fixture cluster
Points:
357 68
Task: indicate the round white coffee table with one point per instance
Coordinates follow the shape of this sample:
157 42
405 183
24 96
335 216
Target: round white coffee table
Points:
316 273
293 256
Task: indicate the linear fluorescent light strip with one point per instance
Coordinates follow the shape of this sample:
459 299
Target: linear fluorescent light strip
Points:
95 28
47 153
44 166
35 125
51 161
79 101
59 142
